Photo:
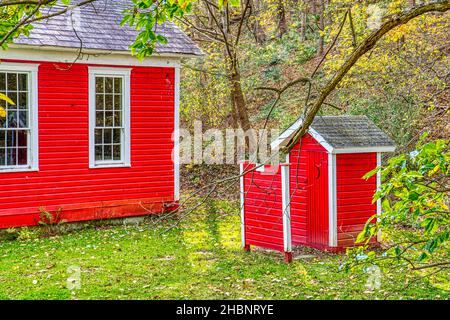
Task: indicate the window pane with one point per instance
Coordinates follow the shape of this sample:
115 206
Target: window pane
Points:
23 82
98 136
118 85
107 136
22 102
3 102
22 156
13 97
98 153
107 152
22 140
2 157
11 81
99 84
2 122
116 152
117 102
118 119
2 139
108 119
99 119
12 119
99 101
2 81
108 101
11 157
109 85
10 138
116 135
23 119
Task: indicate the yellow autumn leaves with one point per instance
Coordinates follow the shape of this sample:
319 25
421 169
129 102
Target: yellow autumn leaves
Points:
2 110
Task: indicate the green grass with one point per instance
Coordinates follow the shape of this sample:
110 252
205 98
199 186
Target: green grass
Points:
198 259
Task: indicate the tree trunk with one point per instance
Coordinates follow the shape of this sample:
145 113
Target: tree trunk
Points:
281 14
321 25
257 31
239 100
303 24
234 117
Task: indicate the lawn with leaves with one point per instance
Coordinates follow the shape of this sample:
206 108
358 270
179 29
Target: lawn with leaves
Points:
199 258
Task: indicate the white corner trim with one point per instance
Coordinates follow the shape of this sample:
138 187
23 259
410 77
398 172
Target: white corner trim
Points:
33 102
176 138
378 187
100 57
125 73
286 208
332 201
242 197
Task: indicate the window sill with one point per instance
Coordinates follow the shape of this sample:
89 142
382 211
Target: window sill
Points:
110 165
18 169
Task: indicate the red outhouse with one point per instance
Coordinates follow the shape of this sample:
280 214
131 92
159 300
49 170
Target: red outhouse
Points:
91 132
318 197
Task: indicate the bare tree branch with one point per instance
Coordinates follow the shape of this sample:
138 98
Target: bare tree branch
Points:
362 48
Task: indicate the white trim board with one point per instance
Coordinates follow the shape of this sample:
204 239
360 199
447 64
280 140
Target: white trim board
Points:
176 137
286 208
332 201
124 73
378 188
242 198
59 55
33 103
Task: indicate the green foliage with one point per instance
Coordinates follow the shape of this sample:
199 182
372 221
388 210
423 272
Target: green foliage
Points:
146 15
415 201
50 221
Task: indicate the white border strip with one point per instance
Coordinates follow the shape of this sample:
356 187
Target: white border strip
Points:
242 196
176 138
286 207
378 187
112 58
332 201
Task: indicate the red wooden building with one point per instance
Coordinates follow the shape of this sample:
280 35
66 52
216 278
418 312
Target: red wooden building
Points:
317 197
91 131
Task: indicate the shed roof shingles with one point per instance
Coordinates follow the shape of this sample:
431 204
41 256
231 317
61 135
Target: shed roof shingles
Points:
98 27
350 131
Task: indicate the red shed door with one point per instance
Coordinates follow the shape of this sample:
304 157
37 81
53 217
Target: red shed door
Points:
317 198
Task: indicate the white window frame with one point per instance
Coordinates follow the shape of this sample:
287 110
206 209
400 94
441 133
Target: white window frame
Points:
124 73
33 139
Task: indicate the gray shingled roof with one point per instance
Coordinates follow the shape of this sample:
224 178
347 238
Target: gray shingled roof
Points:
343 132
350 131
97 25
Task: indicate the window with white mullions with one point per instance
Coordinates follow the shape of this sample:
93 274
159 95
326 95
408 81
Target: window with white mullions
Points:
16 145
109 112
108 118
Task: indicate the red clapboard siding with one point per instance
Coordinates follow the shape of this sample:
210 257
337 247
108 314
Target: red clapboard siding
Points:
64 178
263 209
298 160
354 194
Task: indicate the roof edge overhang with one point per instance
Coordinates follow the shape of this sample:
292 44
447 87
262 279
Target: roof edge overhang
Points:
286 135
91 56
103 51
